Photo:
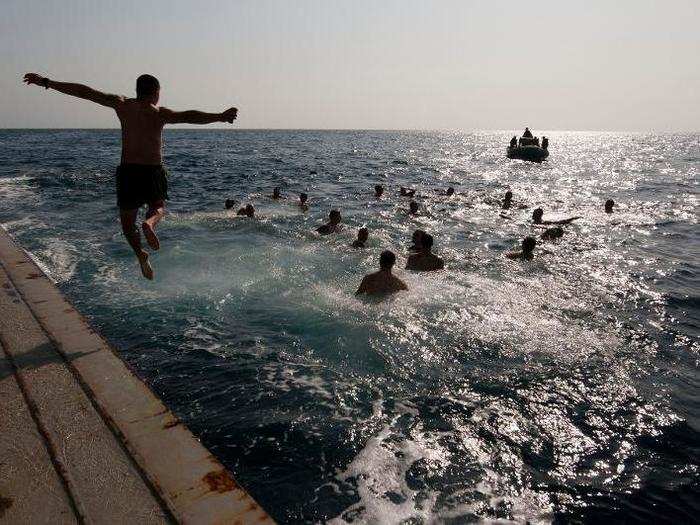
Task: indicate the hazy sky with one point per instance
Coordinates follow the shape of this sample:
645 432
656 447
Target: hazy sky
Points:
608 65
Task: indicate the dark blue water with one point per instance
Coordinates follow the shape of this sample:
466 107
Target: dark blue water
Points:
563 389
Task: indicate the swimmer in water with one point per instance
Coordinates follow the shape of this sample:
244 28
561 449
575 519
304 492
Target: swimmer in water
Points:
362 236
537 218
416 239
333 225
550 234
378 191
248 211
382 282
527 252
413 208
507 200
450 191
303 197
276 194
609 204
230 203
405 192
425 260
141 176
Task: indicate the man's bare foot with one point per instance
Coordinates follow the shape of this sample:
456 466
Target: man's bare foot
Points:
146 268
150 234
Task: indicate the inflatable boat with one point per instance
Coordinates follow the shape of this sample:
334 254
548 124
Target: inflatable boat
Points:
528 148
532 153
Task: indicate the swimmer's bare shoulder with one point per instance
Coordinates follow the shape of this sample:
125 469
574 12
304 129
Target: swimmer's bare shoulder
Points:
364 285
398 284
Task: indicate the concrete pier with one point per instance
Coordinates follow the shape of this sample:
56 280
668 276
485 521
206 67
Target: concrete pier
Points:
83 440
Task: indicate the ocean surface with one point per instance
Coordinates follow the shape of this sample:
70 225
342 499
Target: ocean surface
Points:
562 389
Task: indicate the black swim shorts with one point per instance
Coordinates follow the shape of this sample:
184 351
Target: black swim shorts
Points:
139 184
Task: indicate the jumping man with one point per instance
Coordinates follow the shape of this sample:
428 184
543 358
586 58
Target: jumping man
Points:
141 177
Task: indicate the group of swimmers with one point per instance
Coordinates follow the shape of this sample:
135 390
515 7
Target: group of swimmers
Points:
422 258
141 180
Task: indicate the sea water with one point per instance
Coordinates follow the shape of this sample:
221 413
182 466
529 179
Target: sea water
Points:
564 388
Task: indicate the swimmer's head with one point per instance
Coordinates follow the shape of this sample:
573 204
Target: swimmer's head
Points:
426 242
249 210
334 216
450 191
276 192
609 204
413 207
529 245
362 234
537 215
303 197
417 237
378 190
387 260
230 203
509 195
148 89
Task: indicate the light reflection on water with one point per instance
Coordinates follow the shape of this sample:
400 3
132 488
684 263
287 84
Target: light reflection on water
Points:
564 388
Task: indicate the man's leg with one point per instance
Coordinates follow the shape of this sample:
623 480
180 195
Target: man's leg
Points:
155 213
131 232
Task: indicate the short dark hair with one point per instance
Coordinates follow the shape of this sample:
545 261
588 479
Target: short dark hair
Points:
509 194
426 240
303 196
387 260
334 213
529 244
609 202
362 231
146 85
537 212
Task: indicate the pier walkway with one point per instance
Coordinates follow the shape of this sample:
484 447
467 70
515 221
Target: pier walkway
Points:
83 440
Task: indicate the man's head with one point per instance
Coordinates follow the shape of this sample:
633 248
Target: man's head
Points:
378 190
362 234
529 245
413 207
276 192
537 215
509 195
334 217
303 197
249 210
229 203
387 260
426 242
609 204
450 191
417 237
148 89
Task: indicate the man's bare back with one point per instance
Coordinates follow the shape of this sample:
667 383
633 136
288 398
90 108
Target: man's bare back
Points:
380 283
142 131
141 178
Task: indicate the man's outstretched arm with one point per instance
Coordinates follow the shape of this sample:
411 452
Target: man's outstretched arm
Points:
197 117
75 90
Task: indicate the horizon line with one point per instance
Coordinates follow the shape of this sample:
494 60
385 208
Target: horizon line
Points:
200 128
